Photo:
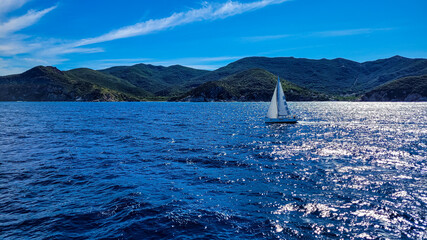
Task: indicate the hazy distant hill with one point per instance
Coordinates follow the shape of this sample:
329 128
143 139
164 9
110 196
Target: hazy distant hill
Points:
337 76
159 80
249 85
403 89
50 84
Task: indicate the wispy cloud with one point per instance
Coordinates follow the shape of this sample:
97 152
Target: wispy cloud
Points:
323 34
15 24
348 32
51 50
207 12
13 45
10 5
266 37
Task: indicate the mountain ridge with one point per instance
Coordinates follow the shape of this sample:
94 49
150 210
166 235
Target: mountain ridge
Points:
160 80
413 88
336 76
332 79
50 84
250 85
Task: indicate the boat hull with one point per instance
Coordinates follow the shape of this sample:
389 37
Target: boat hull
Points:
281 120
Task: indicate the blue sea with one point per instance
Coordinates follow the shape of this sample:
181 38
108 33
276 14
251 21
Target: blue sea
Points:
347 170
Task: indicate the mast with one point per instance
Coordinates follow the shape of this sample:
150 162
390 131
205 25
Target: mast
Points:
278 87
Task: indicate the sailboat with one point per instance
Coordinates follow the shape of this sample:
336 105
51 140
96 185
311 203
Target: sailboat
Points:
278 112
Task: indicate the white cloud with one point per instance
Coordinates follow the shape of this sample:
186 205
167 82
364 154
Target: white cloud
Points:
20 52
12 47
267 37
61 49
49 51
207 12
10 5
15 24
23 45
332 33
348 32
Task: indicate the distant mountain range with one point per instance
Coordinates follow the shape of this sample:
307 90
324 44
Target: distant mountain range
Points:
248 79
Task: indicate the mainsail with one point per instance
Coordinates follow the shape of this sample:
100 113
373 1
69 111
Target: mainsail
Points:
278 106
272 110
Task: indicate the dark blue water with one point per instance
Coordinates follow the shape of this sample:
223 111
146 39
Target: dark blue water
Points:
212 171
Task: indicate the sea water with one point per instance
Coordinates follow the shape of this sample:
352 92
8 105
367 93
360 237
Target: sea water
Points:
212 171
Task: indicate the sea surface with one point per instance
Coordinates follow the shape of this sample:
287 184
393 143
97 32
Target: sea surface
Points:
212 171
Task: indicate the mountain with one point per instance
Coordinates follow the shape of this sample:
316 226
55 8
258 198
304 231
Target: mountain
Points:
50 84
107 81
336 76
158 80
135 83
249 85
402 89
248 79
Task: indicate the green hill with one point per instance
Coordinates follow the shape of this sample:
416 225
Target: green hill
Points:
403 89
107 81
158 80
249 85
134 83
337 76
243 80
50 84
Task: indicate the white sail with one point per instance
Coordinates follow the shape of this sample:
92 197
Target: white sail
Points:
282 105
278 106
272 110
278 112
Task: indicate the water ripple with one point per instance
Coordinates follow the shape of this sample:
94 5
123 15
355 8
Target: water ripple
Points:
212 171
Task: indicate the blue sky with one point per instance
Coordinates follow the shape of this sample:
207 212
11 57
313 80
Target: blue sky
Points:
204 34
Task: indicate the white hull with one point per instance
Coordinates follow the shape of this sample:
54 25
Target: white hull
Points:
281 120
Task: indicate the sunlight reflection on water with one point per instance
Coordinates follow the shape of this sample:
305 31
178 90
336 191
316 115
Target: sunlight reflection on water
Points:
212 170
